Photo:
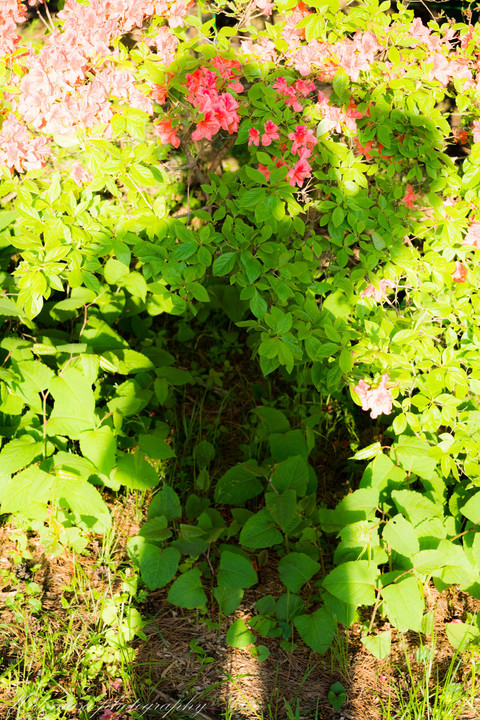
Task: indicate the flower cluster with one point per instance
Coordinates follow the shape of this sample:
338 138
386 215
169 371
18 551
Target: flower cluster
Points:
376 399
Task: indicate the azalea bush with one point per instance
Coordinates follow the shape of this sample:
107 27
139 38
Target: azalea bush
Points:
313 173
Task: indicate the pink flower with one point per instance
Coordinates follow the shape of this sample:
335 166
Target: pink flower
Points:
226 112
253 137
380 292
270 133
109 715
168 135
207 128
460 272
298 174
378 400
302 138
473 236
409 197
79 174
476 131
263 169
304 87
265 6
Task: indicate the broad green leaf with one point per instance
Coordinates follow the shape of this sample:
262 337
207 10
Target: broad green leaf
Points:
414 456
460 635
158 567
74 407
19 453
154 445
25 490
353 582
404 604
260 532
228 598
155 531
237 485
317 629
287 445
33 378
85 502
127 362
187 591
165 502
400 535
235 571
134 472
378 645
100 447
291 474
471 509
296 569
238 635
282 508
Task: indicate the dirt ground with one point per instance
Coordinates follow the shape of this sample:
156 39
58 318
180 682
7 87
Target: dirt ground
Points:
166 669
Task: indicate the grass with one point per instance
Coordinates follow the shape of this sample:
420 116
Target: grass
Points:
429 695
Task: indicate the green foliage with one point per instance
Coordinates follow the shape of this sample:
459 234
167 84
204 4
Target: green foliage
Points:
361 285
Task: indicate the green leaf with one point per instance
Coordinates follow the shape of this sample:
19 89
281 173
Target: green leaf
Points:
471 509
85 502
238 635
259 531
187 591
296 569
158 567
19 453
317 630
404 604
400 535
238 485
100 447
291 474
413 455
8 307
378 645
155 446
127 362
165 502
460 635
353 582
134 472
282 508
74 408
228 598
26 490
114 271
235 571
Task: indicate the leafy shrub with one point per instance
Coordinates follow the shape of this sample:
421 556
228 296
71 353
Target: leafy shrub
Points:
306 171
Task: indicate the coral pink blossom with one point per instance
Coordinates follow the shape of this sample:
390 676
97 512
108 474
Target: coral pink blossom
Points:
168 135
302 138
476 131
263 169
472 238
265 6
270 133
79 174
298 174
378 293
253 137
378 400
409 197
19 149
460 272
